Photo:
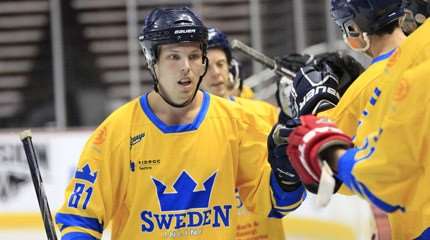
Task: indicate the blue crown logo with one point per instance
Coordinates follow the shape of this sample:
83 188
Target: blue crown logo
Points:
185 196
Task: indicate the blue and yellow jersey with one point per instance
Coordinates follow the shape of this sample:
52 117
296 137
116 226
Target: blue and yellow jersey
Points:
156 181
390 166
251 225
350 108
348 111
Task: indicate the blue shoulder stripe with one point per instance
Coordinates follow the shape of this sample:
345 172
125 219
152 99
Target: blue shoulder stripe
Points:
78 236
345 165
383 56
71 220
425 235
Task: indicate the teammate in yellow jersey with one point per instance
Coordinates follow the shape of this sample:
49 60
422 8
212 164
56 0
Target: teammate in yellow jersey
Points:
371 27
166 165
223 73
390 167
223 77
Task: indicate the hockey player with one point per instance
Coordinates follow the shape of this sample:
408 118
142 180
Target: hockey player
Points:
389 166
371 27
223 73
223 77
166 165
218 81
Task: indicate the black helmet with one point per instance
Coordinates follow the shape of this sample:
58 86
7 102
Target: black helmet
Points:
369 15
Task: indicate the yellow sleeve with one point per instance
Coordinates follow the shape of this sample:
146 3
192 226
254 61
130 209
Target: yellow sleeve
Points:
348 111
92 193
257 186
266 111
247 93
389 165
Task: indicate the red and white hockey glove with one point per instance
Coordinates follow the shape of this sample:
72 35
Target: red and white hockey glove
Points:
307 141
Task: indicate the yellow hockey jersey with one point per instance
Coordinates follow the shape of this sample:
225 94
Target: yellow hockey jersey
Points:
158 181
247 93
348 111
262 109
389 168
251 225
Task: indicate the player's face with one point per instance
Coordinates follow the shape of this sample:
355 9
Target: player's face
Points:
178 70
215 80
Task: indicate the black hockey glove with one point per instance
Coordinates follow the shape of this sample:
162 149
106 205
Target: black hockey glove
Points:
315 89
277 146
294 61
344 67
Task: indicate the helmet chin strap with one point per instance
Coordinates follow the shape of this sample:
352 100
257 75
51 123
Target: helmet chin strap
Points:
158 89
358 49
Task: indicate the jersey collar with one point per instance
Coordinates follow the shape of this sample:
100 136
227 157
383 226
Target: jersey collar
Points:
179 127
383 56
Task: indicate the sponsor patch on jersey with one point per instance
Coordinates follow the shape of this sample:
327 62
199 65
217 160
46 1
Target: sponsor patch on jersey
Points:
101 136
401 91
136 139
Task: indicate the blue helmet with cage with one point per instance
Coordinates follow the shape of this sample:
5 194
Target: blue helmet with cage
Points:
169 26
166 26
217 39
369 15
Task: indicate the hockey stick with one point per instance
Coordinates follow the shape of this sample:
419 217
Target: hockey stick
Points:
38 184
261 58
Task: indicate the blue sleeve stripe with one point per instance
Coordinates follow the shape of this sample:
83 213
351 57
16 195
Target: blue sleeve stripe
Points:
379 203
275 214
71 220
345 165
425 235
78 236
280 213
286 210
283 198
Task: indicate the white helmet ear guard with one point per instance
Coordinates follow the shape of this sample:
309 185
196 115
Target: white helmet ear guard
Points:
355 42
354 37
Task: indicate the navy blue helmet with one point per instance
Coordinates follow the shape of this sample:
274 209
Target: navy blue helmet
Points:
369 15
165 26
217 39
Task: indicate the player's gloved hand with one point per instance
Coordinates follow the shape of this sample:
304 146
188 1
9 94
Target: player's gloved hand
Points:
306 144
294 61
278 159
315 89
345 67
